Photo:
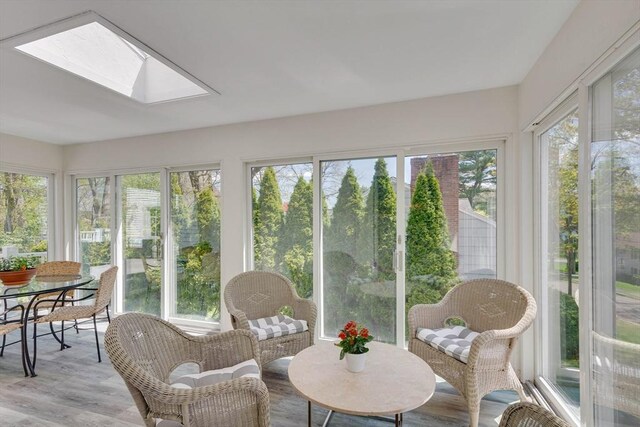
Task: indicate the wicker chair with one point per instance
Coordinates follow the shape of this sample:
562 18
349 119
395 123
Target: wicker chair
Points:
525 414
500 312
145 350
259 294
56 268
67 312
9 325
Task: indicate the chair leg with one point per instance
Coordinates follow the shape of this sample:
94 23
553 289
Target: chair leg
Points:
62 337
108 317
474 413
75 321
4 340
23 344
95 329
35 344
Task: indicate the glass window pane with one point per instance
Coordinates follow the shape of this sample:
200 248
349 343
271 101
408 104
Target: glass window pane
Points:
451 221
282 213
358 245
94 224
559 257
24 210
195 224
142 242
615 180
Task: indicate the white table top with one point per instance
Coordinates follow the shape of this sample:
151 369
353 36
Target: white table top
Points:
394 381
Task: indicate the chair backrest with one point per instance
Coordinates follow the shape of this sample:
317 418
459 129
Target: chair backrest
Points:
142 346
105 287
259 293
58 268
487 304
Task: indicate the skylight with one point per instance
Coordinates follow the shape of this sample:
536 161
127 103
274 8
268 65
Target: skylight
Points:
98 54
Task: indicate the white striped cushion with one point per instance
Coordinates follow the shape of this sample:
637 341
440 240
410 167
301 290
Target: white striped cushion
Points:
276 326
248 368
455 341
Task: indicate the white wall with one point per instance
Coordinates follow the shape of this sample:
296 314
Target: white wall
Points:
468 116
593 27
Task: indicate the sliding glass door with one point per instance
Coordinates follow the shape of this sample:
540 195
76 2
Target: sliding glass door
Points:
558 258
359 245
194 258
452 221
615 212
141 241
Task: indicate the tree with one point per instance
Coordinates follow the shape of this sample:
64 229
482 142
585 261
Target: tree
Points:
270 218
208 218
428 251
477 172
377 239
296 242
347 216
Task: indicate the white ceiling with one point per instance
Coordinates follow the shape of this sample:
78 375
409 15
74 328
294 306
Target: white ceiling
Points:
274 58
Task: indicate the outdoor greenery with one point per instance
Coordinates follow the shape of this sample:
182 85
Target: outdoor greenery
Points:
23 212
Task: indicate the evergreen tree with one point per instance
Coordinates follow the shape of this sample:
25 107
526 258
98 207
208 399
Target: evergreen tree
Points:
348 213
428 250
208 218
296 242
377 239
270 218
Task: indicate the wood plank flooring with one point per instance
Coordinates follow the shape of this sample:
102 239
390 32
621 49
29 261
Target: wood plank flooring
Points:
73 389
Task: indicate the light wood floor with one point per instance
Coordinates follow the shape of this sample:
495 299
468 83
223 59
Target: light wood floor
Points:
73 389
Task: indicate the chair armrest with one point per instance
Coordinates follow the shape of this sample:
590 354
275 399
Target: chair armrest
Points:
305 309
428 316
8 310
502 340
228 348
239 319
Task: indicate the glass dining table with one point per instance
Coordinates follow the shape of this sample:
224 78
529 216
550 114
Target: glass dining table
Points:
29 295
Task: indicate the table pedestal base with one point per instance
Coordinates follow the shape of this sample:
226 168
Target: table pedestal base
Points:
397 419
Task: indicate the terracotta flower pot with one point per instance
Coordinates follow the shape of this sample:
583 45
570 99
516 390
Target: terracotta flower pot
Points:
17 277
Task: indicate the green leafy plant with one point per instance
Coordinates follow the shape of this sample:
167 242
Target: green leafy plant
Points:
19 263
353 340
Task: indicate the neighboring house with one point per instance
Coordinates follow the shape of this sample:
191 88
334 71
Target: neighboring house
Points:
477 243
628 258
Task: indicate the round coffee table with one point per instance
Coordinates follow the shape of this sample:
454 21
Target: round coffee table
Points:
394 381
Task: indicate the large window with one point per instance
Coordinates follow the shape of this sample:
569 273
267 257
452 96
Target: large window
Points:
559 277
282 227
93 213
24 214
142 242
615 204
195 228
359 245
451 222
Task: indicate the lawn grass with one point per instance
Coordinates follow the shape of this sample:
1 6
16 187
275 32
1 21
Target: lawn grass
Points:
628 290
628 331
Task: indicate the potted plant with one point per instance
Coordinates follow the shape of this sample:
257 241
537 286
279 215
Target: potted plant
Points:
17 270
353 345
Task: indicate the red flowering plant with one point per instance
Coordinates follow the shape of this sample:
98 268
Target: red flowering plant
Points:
353 340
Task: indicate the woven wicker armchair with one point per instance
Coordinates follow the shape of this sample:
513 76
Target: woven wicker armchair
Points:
500 312
145 350
259 294
525 414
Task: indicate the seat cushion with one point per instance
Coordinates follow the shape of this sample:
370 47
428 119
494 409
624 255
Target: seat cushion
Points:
248 368
276 326
455 341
